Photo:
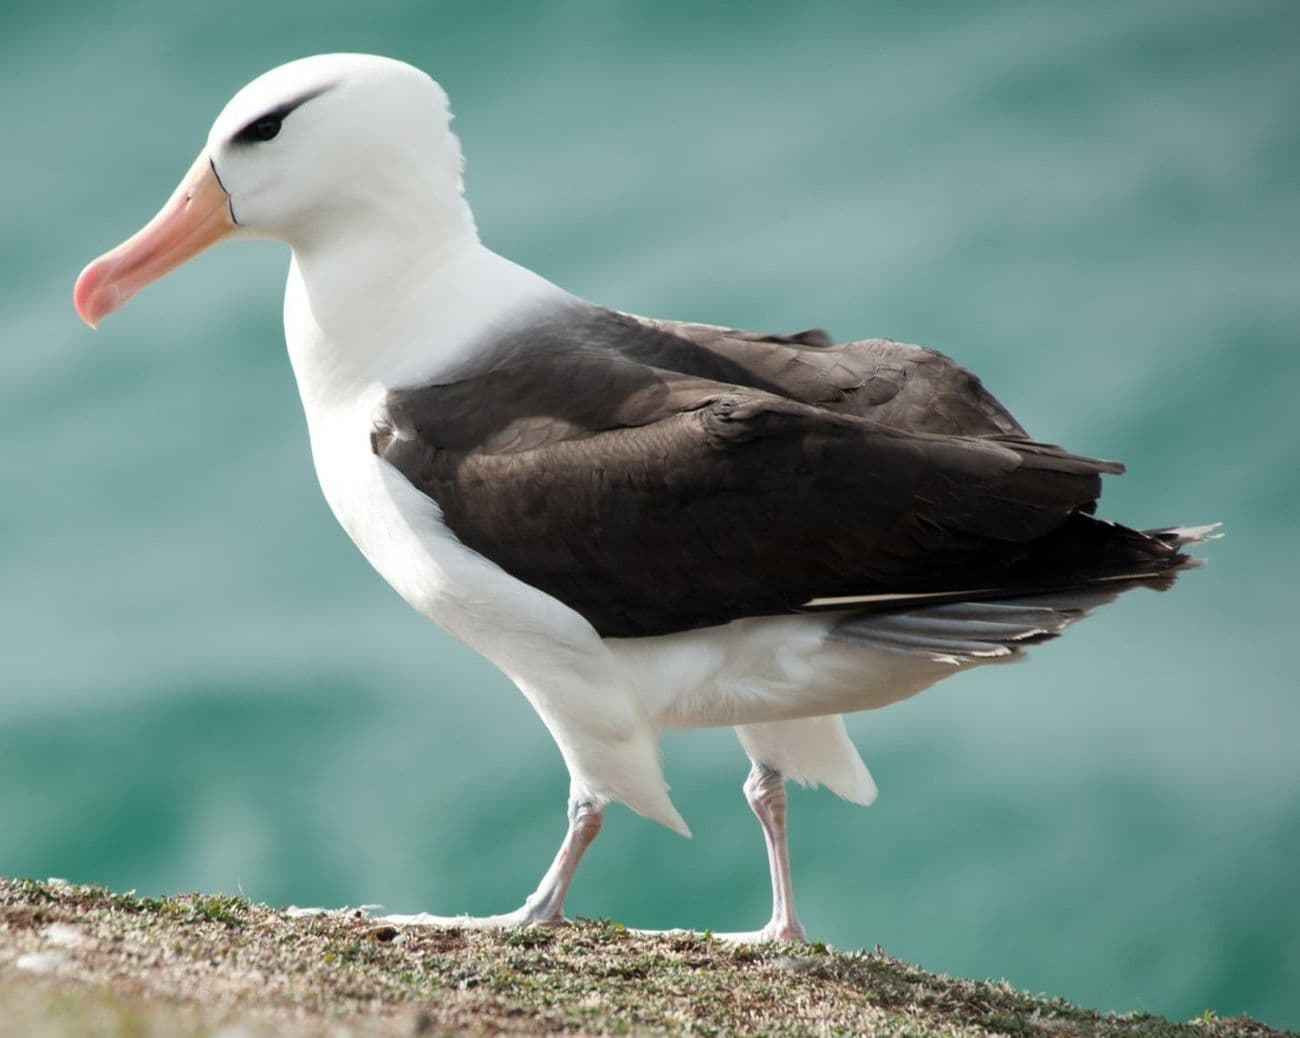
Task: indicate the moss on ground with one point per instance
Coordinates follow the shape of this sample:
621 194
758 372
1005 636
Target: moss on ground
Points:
80 960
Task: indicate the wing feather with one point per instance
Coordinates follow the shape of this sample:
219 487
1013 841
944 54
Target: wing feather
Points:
653 500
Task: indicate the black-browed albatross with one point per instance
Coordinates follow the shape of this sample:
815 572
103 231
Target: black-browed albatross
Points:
645 524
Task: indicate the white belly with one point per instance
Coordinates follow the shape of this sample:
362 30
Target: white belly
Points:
763 669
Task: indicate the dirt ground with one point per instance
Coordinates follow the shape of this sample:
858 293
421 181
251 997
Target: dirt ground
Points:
77 961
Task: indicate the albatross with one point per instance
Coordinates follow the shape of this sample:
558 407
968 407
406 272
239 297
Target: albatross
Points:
645 524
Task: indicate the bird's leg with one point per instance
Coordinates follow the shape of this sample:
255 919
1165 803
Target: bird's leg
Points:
545 905
765 791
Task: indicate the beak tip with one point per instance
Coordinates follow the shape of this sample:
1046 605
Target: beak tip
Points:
88 318
88 292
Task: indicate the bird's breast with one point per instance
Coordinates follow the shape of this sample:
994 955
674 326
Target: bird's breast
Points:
400 536
401 533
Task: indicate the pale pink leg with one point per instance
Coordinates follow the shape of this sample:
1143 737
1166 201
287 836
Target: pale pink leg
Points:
765 791
545 905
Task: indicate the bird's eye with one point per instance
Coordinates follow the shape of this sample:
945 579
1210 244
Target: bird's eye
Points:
267 125
262 129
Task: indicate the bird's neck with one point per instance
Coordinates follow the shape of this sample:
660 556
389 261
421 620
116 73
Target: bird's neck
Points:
393 310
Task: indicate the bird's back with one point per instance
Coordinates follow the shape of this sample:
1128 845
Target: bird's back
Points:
897 384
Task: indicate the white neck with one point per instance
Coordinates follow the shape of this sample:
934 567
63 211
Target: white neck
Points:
387 310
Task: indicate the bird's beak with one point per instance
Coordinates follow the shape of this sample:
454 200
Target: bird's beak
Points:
197 214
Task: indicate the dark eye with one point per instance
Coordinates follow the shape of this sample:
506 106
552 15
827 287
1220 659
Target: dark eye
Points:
267 125
262 129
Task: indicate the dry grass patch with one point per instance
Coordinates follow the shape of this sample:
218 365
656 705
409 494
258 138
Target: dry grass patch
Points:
83 960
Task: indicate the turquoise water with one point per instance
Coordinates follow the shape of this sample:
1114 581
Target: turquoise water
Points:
203 686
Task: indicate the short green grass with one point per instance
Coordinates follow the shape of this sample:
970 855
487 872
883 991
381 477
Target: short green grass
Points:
98 962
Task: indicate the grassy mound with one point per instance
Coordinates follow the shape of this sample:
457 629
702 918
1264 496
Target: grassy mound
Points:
80 960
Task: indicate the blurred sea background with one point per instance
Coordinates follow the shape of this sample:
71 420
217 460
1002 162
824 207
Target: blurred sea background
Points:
1095 207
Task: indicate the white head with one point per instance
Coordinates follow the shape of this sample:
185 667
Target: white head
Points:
311 153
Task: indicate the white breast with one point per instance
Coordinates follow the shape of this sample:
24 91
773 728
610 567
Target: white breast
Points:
401 533
345 358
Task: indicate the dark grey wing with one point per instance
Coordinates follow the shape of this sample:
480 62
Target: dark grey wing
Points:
894 383
653 502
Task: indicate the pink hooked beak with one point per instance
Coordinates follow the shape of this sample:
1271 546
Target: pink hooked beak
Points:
197 214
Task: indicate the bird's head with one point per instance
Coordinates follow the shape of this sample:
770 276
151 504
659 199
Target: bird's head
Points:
309 153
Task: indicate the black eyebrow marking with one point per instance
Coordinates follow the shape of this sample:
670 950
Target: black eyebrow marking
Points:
247 134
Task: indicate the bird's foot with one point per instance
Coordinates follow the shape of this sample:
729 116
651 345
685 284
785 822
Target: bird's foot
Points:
774 932
545 905
525 915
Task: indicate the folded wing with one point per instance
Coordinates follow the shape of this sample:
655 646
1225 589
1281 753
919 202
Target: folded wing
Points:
653 499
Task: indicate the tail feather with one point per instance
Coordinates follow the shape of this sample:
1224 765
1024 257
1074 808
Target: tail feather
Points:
983 624
1181 536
